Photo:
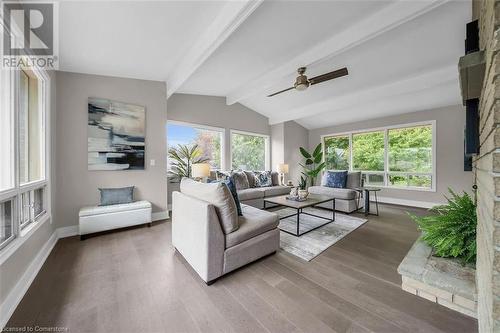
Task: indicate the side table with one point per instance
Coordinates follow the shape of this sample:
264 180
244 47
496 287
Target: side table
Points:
366 190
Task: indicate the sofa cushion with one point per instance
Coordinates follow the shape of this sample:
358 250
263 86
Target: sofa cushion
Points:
337 193
253 223
353 179
251 193
217 194
335 179
240 180
250 178
276 190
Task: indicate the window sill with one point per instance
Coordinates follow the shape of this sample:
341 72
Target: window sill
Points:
16 243
400 188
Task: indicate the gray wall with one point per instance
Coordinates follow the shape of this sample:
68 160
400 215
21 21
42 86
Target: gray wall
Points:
213 111
295 136
78 187
449 150
16 265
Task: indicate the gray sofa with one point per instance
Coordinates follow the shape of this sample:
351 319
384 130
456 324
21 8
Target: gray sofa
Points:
254 196
346 199
199 234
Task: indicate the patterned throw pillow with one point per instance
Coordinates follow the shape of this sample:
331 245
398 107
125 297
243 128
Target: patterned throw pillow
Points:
264 178
335 179
221 175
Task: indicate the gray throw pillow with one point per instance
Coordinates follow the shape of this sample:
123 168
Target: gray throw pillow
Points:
240 180
115 196
250 178
275 178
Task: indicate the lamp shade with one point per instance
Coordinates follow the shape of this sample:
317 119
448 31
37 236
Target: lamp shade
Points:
282 168
200 170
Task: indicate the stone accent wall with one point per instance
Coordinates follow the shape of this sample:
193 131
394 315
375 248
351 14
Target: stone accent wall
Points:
487 171
453 301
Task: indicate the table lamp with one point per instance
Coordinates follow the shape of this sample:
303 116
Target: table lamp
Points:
200 171
282 169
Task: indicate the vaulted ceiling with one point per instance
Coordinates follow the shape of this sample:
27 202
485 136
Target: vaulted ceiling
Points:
402 55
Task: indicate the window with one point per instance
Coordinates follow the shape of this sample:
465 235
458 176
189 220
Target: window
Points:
249 151
337 152
400 156
209 140
23 181
410 157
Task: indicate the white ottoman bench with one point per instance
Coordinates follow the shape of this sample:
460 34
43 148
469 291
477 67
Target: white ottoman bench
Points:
102 218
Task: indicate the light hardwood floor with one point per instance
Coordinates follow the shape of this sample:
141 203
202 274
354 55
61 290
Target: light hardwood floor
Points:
133 281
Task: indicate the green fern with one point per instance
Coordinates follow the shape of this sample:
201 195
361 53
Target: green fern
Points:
451 229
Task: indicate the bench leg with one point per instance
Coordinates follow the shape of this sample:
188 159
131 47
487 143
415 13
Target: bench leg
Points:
82 237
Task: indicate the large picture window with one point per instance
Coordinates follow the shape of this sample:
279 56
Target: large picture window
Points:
23 180
249 151
399 157
209 140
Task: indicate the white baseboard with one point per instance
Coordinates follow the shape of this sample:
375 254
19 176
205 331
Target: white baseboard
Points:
160 216
64 232
410 203
16 295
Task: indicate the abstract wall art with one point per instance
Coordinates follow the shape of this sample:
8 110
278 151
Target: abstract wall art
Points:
116 133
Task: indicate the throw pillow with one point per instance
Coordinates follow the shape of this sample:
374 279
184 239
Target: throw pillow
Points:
217 194
275 178
234 193
221 175
265 179
335 179
353 179
115 196
240 180
251 178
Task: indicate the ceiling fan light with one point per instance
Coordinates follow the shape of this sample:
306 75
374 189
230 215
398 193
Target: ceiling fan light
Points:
301 86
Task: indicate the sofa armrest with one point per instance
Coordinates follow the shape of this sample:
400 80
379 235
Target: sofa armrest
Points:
197 235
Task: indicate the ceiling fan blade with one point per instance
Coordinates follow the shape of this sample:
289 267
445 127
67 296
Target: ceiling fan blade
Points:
329 76
279 92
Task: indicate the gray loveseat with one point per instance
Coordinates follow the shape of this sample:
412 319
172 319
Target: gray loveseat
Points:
346 199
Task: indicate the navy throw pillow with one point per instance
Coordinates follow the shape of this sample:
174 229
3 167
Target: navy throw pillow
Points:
232 188
335 179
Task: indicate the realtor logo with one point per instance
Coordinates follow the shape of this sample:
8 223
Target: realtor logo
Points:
29 35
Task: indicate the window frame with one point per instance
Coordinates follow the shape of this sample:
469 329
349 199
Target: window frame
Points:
267 147
386 171
221 130
22 232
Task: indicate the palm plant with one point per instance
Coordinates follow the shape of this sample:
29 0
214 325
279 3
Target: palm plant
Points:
182 157
451 230
313 163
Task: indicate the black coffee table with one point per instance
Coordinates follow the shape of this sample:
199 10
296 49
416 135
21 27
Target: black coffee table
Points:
312 200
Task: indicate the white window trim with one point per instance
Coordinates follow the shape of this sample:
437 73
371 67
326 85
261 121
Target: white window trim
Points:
267 146
21 236
386 171
205 127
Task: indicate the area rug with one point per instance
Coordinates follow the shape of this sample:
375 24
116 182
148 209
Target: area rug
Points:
313 243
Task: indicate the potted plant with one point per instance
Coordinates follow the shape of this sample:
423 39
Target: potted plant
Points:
182 158
313 164
451 230
302 187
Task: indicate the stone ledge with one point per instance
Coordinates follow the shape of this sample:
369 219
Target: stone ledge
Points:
440 280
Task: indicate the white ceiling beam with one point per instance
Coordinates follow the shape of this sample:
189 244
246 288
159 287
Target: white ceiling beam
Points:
232 15
408 85
381 21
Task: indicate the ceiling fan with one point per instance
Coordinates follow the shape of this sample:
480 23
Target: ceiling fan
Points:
302 82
